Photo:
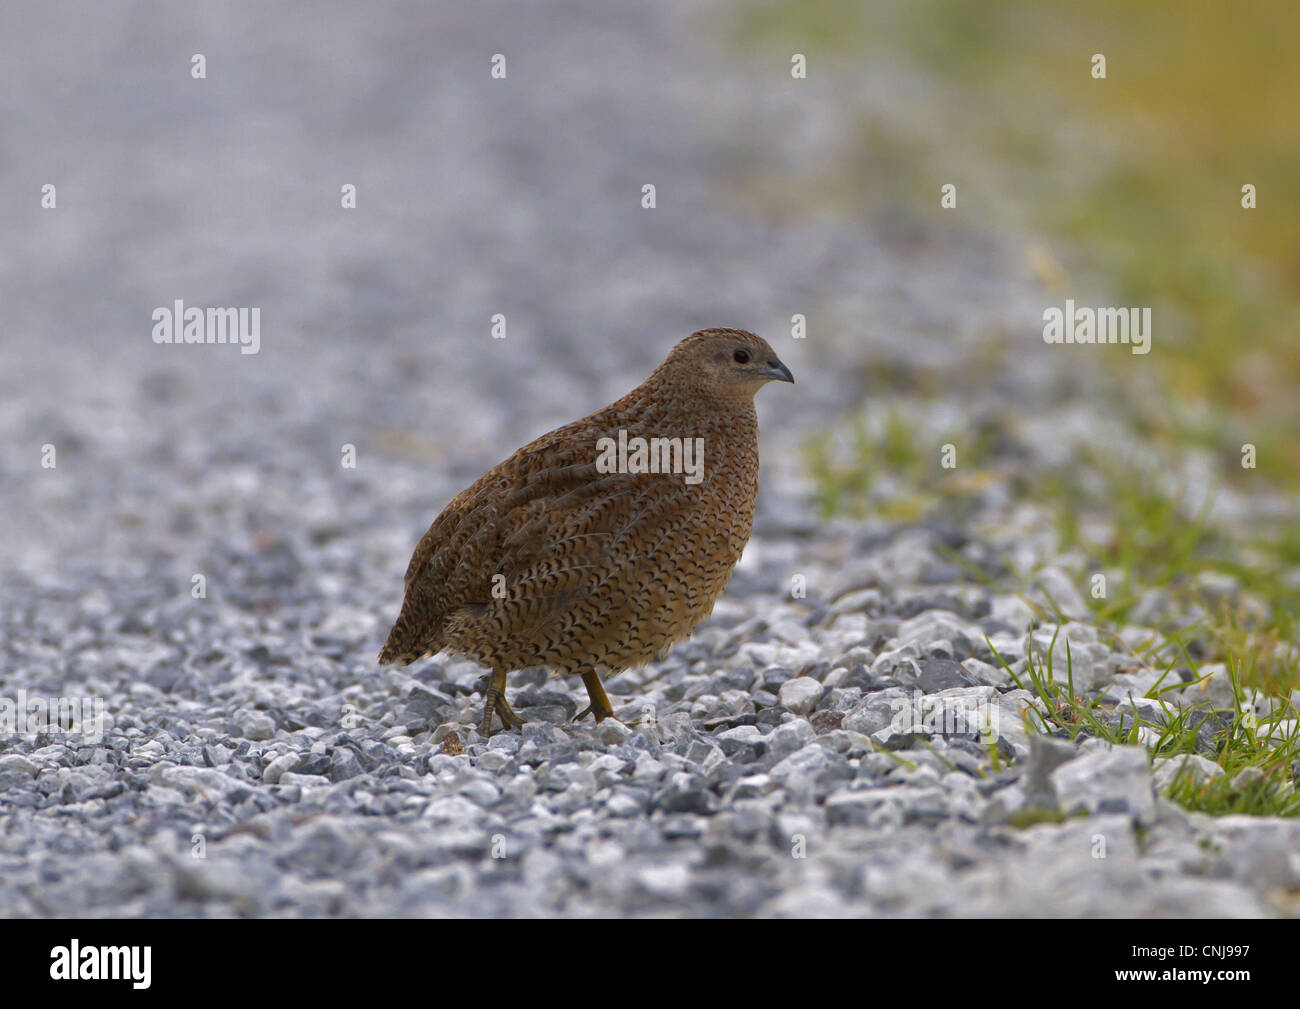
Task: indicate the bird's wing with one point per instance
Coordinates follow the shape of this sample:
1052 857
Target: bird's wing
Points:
538 519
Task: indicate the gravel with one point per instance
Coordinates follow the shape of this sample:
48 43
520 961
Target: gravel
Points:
304 784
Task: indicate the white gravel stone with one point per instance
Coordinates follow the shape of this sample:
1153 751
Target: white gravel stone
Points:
801 694
276 768
1189 764
17 762
1119 778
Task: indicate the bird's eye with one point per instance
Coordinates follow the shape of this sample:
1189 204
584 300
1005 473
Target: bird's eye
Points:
741 357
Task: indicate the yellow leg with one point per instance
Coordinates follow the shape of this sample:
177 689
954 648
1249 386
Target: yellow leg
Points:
506 713
496 691
599 706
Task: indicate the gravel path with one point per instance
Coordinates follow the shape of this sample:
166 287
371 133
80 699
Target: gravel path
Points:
254 760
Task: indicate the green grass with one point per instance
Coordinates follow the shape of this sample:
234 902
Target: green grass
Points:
1150 539
1263 748
847 485
1155 542
1031 816
913 465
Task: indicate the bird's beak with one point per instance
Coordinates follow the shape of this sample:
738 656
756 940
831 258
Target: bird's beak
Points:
776 371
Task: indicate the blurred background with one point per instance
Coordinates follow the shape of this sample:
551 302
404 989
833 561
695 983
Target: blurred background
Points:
776 197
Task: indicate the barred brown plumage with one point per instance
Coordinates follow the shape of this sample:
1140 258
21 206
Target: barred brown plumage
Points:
579 553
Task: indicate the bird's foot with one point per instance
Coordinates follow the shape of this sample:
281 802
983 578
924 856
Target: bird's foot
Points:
507 714
601 715
599 706
496 704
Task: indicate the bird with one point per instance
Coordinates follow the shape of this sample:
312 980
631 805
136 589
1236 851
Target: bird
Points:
596 547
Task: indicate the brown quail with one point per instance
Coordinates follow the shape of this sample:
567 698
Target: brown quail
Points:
599 545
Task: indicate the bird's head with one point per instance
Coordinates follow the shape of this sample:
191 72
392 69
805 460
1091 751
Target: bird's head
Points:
728 361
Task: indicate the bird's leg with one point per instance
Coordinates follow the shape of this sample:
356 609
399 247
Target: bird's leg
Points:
599 706
507 714
496 690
